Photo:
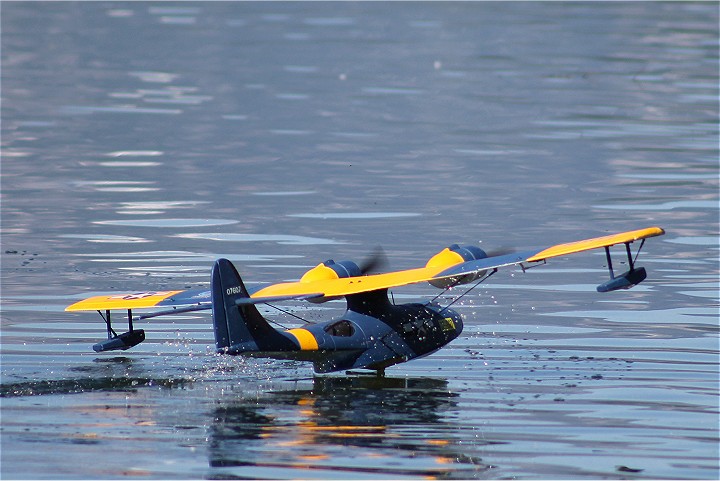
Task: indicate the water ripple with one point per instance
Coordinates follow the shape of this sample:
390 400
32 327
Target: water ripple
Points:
355 215
106 238
280 239
167 223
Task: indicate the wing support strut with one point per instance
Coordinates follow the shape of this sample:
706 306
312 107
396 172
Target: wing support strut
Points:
110 332
539 263
494 271
174 310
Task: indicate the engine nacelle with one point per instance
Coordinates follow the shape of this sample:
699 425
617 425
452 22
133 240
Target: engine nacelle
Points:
330 270
454 255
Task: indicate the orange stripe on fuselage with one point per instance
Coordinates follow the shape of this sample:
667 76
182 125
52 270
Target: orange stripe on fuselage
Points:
304 338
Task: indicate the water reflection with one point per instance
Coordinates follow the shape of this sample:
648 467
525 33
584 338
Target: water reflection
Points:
339 425
115 374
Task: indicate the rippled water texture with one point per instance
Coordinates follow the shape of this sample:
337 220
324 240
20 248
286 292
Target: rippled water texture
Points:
141 141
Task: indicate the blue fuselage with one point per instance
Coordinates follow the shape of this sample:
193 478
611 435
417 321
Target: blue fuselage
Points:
376 339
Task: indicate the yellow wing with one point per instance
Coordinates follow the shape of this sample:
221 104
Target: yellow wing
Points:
595 243
454 267
139 300
321 284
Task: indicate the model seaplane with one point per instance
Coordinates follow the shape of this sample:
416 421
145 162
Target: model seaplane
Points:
373 333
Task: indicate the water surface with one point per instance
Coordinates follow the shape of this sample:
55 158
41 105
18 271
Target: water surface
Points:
140 141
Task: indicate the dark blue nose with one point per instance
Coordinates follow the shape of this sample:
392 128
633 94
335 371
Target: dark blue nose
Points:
456 319
450 321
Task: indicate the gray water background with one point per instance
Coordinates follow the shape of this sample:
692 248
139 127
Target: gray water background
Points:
140 141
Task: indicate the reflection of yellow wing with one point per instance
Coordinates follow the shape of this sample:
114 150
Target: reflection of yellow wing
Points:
355 285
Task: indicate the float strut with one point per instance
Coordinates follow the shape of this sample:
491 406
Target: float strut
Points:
629 254
109 324
609 261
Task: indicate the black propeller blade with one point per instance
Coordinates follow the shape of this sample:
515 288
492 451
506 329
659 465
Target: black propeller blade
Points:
375 263
500 251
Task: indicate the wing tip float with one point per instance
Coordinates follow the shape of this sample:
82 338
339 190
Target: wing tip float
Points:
452 266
